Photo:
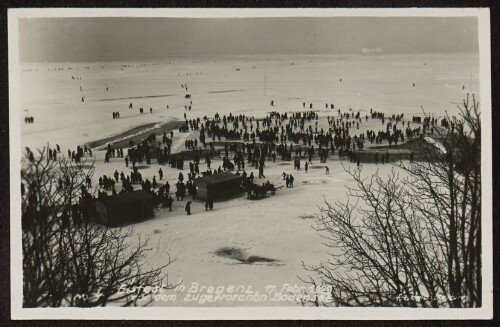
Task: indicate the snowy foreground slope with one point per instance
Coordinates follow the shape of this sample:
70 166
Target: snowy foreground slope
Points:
278 227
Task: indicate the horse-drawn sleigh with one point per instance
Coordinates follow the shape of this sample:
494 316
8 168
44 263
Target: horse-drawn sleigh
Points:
255 191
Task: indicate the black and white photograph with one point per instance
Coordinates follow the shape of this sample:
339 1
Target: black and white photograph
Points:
250 163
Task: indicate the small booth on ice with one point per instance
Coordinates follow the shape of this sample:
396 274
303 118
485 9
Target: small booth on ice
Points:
218 186
124 208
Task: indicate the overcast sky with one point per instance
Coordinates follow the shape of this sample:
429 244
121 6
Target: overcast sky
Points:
115 39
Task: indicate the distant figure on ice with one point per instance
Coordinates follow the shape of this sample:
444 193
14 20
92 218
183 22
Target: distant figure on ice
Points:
209 204
261 172
327 170
170 201
83 100
130 105
188 207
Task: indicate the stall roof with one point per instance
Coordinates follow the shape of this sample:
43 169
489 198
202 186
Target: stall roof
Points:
126 197
218 178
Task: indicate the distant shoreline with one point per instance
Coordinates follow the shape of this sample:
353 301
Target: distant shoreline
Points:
243 57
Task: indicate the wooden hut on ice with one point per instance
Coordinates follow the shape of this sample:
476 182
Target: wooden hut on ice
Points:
123 208
218 186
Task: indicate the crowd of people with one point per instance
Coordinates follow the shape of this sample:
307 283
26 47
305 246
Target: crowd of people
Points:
29 120
244 143
249 143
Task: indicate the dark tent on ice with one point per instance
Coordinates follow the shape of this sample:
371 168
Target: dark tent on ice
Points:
217 186
126 207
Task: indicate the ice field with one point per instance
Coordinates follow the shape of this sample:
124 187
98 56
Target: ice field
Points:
277 227
244 85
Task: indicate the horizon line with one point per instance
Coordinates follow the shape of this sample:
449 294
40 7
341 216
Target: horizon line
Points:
262 56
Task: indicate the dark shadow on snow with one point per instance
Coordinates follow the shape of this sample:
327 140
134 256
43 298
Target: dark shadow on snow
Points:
241 256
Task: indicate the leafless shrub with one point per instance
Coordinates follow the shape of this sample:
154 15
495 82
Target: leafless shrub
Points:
413 240
68 260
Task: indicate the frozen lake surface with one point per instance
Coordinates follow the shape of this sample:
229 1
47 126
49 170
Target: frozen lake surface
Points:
277 228
223 85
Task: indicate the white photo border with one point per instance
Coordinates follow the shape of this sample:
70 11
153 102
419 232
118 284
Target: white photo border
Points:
250 313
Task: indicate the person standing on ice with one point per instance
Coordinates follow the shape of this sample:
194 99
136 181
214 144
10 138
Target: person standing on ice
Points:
327 170
170 201
209 204
188 208
160 173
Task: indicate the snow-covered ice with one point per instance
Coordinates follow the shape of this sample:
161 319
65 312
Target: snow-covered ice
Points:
277 227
